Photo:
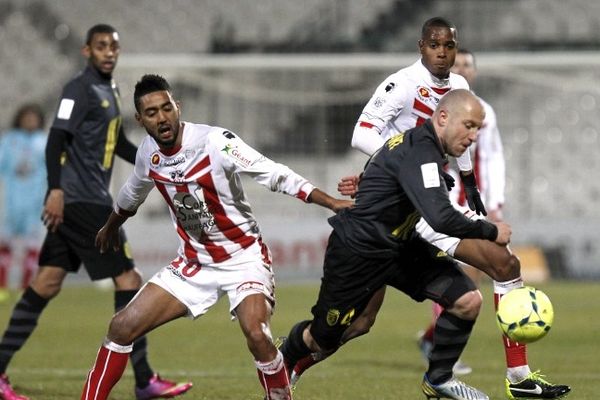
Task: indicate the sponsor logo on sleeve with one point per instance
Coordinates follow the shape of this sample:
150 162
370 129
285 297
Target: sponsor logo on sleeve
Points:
238 156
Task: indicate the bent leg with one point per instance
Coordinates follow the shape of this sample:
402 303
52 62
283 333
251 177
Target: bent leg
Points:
152 307
254 317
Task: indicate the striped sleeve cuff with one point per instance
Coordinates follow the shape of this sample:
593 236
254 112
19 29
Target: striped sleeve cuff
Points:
305 191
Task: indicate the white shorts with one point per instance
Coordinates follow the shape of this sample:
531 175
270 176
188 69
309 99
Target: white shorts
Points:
200 287
442 241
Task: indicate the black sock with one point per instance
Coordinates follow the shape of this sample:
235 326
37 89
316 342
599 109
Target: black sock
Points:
22 322
139 355
449 339
294 348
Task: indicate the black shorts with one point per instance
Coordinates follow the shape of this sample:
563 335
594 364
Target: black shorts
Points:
426 272
350 281
74 243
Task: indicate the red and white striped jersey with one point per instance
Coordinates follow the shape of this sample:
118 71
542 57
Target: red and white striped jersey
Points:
200 181
405 99
489 164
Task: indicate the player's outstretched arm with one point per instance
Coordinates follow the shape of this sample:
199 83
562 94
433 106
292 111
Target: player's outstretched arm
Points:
323 199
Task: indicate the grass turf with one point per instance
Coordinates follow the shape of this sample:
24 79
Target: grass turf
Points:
382 365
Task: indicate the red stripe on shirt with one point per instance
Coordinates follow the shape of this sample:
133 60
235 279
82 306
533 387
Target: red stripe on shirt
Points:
205 162
158 177
225 225
365 125
218 253
188 249
419 105
441 90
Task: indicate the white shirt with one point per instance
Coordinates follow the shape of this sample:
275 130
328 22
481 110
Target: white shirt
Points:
489 165
201 184
405 99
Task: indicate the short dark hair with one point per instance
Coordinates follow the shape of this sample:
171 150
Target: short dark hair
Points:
467 52
26 108
436 22
99 28
148 84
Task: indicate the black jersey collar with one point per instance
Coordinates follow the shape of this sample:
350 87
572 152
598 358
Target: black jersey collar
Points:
93 72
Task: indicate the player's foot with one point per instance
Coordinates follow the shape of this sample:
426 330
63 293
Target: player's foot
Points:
7 392
535 387
425 347
451 389
159 388
461 368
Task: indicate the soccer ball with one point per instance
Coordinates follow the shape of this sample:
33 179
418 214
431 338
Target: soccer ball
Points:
525 314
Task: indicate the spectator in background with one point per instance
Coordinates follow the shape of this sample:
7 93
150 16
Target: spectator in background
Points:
23 176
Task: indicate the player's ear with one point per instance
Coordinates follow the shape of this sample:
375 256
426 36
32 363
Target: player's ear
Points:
138 118
86 51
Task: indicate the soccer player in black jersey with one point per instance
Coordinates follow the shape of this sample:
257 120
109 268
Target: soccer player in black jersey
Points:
86 135
375 243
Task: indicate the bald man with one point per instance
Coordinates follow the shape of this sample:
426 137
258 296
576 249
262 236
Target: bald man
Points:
375 243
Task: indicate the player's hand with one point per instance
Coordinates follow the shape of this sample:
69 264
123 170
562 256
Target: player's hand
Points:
340 204
53 214
348 185
472 193
504 232
108 238
449 180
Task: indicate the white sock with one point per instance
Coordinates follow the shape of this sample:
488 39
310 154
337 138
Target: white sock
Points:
502 288
517 374
271 367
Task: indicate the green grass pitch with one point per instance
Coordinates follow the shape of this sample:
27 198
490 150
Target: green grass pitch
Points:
382 365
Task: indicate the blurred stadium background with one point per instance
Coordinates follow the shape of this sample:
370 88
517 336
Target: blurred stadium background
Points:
290 77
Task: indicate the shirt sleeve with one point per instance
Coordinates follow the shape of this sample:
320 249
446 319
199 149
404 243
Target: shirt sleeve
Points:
73 107
366 138
420 177
135 190
243 159
57 140
125 149
390 97
492 164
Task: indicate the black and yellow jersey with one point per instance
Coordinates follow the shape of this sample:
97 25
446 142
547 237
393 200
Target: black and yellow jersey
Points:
90 112
402 182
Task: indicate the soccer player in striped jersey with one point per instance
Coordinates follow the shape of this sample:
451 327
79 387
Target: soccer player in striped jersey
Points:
197 170
403 100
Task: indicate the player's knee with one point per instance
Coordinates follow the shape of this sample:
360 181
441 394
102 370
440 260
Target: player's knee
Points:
46 289
468 305
128 280
325 340
121 330
361 326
